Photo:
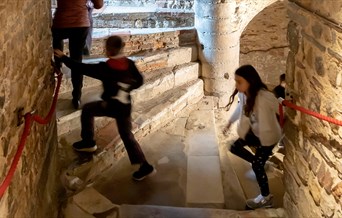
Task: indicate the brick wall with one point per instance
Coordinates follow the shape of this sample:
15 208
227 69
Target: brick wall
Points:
313 160
27 82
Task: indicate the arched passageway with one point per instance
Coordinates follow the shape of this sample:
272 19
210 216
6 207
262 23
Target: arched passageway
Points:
264 44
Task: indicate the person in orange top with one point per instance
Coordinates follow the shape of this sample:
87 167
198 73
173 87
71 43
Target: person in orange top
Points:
71 21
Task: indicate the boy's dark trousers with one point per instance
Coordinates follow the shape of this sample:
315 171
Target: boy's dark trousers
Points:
77 39
257 160
122 114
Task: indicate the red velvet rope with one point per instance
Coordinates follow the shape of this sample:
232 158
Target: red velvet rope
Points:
48 117
28 120
306 111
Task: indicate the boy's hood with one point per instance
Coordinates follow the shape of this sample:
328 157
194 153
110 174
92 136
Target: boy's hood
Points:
118 63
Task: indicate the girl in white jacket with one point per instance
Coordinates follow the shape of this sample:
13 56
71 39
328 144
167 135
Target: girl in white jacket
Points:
258 127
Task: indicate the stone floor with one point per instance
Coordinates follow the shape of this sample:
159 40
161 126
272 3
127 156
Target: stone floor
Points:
167 149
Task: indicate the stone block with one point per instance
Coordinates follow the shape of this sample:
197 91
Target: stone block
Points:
74 211
314 189
179 56
186 73
92 201
204 181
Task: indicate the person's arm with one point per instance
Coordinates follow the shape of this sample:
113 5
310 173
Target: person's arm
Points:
97 3
236 114
139 79
91 70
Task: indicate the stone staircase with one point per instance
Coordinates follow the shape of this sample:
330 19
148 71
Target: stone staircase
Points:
188 182
168 85
80 207
173 117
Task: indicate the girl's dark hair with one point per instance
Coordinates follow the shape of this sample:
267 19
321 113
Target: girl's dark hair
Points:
114 44
249 73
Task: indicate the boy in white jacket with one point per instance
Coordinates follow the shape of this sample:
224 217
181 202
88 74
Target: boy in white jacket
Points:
258 127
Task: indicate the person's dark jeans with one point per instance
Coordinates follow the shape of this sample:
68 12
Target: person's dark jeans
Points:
89 39
77 38
257 160
122 114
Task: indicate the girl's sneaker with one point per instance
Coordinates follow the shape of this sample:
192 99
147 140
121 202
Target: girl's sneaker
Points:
85 146
260 201
144 171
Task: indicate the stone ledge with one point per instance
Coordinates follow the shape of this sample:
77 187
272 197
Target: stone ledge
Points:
158 82
130 211
145 61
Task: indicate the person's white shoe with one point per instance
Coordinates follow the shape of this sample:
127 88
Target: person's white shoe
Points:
260 201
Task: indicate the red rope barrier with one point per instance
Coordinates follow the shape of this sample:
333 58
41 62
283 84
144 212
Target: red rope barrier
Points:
17 155
48 117
28 118
312 113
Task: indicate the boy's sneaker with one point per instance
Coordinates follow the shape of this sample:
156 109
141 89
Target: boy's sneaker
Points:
144 171
260 201
85 146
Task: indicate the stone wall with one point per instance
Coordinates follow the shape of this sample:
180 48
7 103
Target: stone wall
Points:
313 160
153 19
172 4
136 43
27 81
264 45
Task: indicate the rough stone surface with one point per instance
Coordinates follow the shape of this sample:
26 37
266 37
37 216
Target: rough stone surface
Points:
313 75
313 78
264 43
27 82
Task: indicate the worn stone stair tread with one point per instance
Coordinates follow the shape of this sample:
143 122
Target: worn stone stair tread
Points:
151 80
99 33
204 178
145 56
172 101
204 182
65 108
143 211
144 110
147 62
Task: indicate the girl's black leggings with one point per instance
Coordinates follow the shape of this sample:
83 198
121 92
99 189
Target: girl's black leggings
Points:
258 160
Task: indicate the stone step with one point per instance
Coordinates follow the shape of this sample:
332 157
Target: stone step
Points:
166 151
150 115
90 203
143 211
204 179
159 81
146 116
145 61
